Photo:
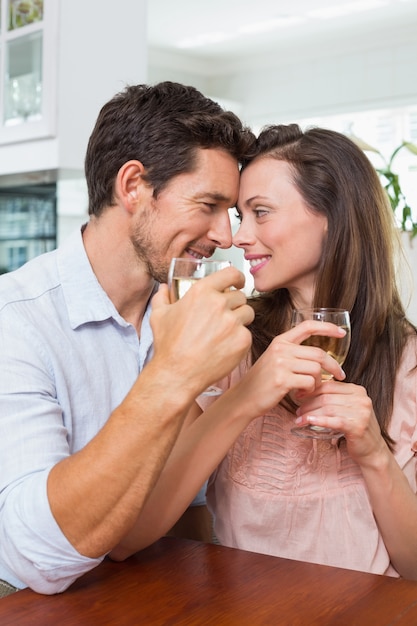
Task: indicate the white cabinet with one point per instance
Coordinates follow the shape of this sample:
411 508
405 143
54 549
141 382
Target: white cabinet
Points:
27 69
72 58
67 60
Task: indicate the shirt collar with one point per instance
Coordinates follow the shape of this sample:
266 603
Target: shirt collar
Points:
85 298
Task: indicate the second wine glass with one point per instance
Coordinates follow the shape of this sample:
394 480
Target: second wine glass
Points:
183 273
336 347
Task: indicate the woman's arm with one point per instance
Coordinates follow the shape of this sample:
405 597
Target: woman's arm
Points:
205 439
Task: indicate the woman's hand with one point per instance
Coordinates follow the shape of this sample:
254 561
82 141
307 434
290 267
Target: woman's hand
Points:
287 365
346 408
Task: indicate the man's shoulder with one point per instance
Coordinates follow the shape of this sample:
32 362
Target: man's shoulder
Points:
30 281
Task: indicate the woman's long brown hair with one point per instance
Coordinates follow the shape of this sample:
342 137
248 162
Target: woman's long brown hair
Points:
357 270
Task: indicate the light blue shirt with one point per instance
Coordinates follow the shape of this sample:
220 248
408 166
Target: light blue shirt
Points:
67 359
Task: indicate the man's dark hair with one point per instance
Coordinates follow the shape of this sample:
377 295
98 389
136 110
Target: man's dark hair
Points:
161 126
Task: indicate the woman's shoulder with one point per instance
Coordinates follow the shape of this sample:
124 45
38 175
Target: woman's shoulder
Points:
403 427
408 362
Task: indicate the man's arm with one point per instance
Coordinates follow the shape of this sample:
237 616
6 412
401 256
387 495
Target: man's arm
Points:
97 494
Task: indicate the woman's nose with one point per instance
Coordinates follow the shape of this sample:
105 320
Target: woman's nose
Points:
243 237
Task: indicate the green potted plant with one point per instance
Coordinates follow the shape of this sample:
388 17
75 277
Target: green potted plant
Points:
391 183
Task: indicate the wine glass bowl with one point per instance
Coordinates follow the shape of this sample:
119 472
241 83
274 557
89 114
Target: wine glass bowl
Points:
336 347
184 272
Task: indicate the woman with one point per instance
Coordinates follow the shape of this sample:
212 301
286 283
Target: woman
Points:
317 229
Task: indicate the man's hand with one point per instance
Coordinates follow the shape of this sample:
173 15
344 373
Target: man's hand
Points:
203 336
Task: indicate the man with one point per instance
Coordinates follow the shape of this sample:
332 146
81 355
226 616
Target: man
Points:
94 388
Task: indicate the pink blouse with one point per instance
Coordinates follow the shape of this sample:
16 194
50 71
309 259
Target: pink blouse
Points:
305 499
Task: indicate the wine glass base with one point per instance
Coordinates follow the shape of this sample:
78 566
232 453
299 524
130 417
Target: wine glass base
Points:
316 432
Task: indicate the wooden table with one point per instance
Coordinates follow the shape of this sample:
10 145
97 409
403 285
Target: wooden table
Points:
185 582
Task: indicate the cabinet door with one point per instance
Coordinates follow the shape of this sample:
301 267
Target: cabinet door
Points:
28 34
27 224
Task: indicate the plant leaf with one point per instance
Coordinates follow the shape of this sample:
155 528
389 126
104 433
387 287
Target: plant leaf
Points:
391 183
362 144
410 146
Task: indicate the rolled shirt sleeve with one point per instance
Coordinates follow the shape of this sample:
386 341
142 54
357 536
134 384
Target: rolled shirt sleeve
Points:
35 552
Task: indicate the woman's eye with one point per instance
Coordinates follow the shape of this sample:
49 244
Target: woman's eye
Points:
260 212
238 215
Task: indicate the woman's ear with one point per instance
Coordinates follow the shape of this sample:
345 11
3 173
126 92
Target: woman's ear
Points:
129 183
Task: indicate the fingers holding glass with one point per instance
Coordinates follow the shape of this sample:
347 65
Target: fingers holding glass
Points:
335 347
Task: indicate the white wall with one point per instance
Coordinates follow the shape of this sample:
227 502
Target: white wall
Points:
408 276
102 47
325 81
98 56
317 77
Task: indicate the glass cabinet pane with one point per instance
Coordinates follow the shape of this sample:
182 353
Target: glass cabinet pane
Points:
23 93
23 12
27 224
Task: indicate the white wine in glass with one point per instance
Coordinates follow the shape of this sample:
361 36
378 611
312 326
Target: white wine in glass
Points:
183 273
336 347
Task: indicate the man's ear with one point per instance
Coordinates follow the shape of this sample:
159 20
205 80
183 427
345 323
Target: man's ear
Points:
129 183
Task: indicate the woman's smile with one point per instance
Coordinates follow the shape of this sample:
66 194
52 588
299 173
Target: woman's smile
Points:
257 262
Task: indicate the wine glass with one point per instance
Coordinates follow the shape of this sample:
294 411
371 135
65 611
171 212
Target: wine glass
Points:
183 273
336 347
